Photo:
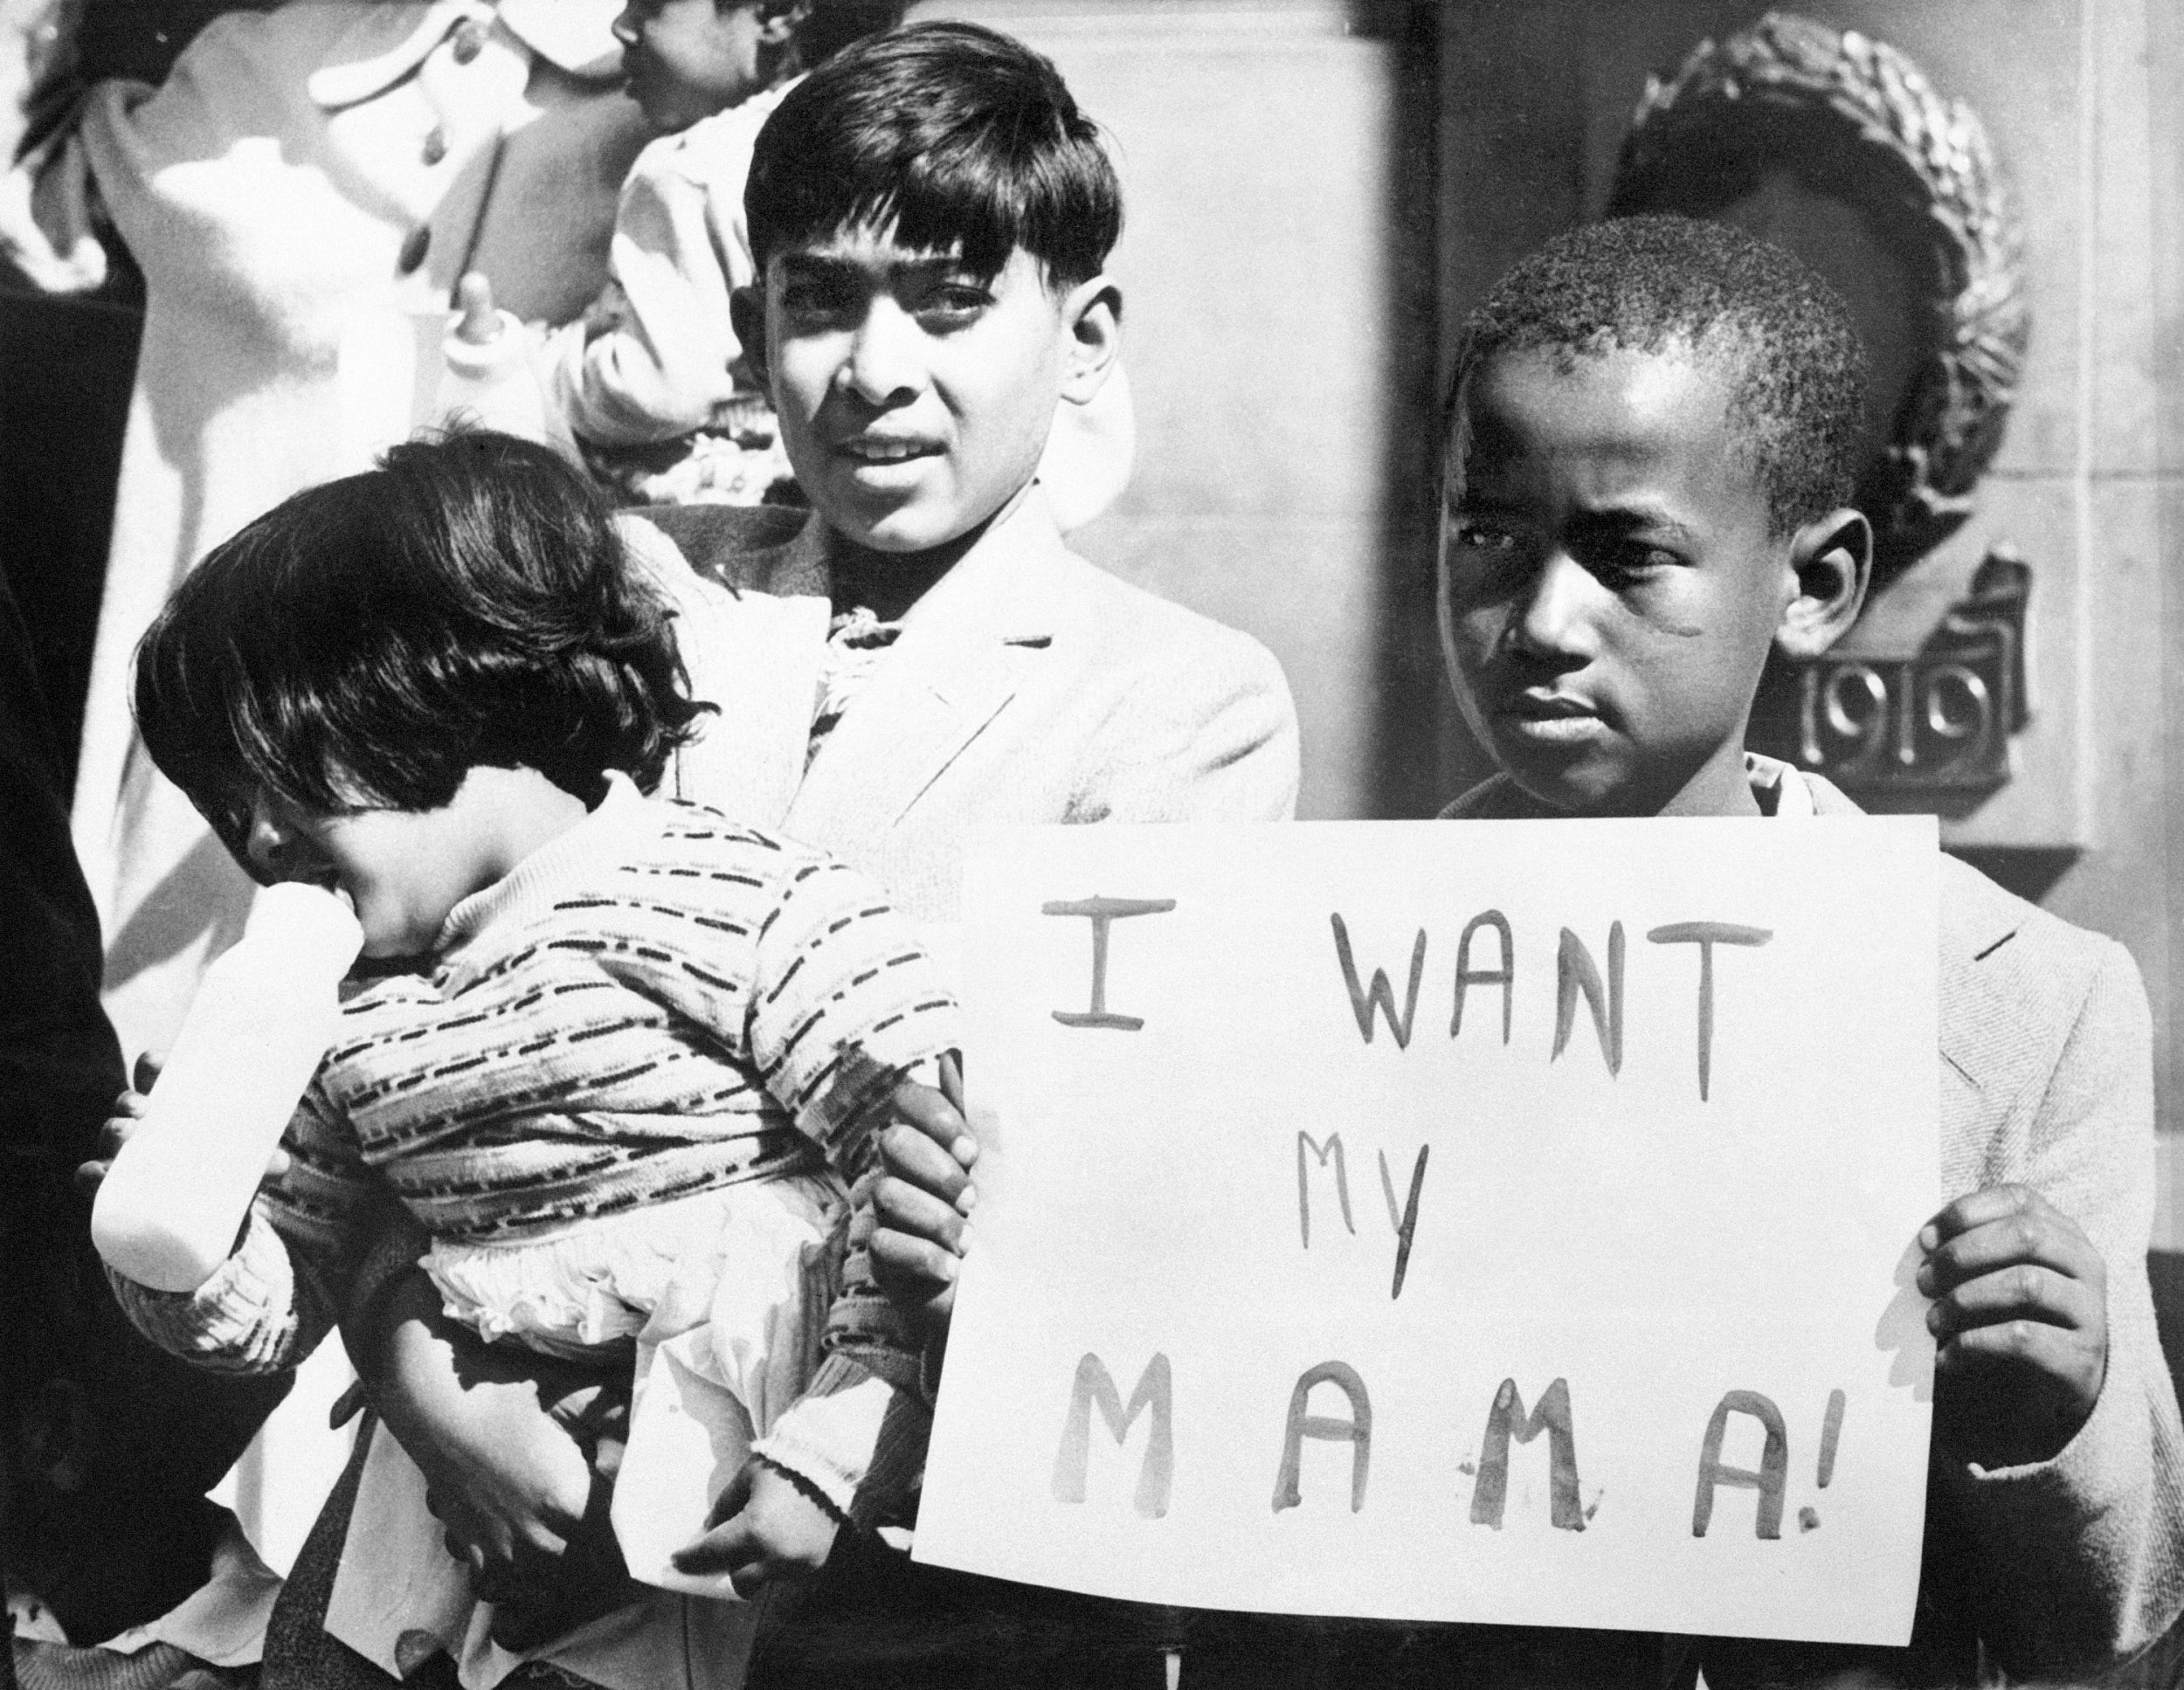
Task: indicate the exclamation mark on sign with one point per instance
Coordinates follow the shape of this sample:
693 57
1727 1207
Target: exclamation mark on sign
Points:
1830 1433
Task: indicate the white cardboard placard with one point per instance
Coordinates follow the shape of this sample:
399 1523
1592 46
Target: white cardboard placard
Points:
1276 1263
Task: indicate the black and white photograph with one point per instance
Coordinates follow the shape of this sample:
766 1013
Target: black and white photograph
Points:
855 844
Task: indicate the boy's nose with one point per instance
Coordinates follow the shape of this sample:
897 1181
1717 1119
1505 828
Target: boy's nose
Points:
626 25
882 362
1553 620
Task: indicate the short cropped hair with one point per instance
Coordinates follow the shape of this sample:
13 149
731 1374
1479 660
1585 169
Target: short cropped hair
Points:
1781 334
369 641
957 136
830 25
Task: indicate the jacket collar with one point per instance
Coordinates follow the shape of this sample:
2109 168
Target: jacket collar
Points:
1972 929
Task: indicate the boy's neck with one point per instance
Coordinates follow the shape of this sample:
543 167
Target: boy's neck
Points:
1723 787
889 584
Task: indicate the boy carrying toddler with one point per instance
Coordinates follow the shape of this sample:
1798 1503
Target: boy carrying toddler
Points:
930 215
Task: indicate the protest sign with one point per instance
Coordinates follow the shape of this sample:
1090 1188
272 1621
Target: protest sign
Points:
1495 1221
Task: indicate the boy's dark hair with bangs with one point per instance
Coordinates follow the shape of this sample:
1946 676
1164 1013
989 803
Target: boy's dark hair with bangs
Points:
366 643
1781 335
957 136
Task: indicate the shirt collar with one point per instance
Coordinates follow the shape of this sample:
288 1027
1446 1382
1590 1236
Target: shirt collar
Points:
1781 790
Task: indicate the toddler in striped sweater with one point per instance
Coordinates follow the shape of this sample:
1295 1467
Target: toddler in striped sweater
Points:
621 1060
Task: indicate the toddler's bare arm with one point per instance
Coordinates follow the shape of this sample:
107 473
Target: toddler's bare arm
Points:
495 1431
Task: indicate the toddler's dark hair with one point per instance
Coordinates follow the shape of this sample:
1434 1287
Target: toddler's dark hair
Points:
369 641
954 134
1782 335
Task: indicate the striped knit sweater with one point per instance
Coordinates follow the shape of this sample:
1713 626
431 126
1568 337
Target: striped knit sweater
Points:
656 1003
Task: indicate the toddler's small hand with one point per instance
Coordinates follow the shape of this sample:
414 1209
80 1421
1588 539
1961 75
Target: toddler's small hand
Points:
129 1112
2021 1322
762 1527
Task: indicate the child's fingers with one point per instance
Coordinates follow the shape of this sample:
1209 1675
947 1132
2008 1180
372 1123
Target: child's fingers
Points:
131 1105
1984 1207
2019 1292
118 1130
732 1500
2060 1354
913 1156
730 1547
901 1207
145 1074
909 1268
938 1117
2028 1230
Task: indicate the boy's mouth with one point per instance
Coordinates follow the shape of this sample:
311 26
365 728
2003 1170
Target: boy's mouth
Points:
1554 718
881 449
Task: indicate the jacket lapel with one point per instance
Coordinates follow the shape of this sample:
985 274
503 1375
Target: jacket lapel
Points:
962 657
1972 929
752 613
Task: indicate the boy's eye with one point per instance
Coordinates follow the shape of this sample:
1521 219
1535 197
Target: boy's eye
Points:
816 300
1632 561
953 304
1472 535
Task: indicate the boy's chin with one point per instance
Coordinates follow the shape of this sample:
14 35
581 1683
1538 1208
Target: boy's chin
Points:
1578 791
916 527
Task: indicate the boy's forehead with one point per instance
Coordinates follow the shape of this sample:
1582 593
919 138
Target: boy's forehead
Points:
1530 397
1663 416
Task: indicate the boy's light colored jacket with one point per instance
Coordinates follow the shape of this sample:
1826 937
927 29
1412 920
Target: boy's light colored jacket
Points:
1026 686
2047 1081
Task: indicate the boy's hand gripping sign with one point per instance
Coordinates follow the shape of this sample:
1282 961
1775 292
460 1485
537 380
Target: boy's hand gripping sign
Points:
1498 1221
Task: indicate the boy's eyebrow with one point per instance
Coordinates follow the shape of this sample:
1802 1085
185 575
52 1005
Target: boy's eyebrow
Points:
1609 521
917 266
1631 517
1479 504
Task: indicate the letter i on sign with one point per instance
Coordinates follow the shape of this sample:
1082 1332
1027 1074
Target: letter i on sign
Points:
1103 913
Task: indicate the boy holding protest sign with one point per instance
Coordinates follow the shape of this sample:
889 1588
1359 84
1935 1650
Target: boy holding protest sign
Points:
1648 461
1650 453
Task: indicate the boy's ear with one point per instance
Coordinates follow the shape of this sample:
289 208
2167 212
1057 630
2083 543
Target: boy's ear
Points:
747 316
1092 315
1831 559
